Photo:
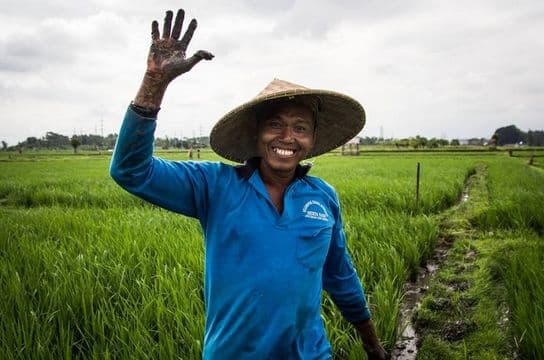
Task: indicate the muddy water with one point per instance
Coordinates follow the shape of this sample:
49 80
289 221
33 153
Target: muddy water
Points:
406 345
464 198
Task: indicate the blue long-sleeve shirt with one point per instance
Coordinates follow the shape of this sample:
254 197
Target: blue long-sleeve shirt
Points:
265 271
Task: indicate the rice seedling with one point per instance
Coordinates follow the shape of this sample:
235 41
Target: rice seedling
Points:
89 271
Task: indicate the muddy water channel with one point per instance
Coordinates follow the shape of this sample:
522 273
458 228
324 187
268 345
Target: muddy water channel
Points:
406 345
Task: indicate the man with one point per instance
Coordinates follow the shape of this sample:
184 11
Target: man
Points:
273 234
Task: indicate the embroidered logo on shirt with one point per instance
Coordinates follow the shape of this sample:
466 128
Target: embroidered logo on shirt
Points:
314 210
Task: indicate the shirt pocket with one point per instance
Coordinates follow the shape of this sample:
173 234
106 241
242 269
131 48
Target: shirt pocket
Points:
313 246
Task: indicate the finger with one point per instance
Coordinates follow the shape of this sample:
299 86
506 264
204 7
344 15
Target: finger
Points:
178 24
203 54
155 30
198 56
167 24
188 35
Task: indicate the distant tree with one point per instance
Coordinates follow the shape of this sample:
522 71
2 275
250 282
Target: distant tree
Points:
185 144
4 145
454 142
368 140
443 142
31 142
535 138
109 141
509 135
494 140
402 143
56 141
166 143
433 143
91 140
418 142
477 141
75 142
422 140
163 143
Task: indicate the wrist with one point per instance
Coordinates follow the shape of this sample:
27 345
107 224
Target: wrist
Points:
144 111
151 90
367 332
155 78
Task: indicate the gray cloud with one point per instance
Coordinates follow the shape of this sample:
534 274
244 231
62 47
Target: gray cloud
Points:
58 42
419 67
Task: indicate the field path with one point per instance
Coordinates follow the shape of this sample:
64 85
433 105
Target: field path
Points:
453 225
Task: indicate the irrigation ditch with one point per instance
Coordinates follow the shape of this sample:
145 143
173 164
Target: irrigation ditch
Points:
454 225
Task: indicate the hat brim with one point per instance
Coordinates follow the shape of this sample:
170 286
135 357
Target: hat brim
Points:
340 118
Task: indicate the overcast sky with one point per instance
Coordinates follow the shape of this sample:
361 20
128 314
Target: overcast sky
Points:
453 69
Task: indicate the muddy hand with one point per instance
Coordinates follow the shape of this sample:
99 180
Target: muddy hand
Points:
167 59
373 348
377 353
167 55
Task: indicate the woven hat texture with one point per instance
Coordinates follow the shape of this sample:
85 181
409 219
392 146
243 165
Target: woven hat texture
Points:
339 118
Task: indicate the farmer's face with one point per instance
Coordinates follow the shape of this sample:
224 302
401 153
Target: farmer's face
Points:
285 137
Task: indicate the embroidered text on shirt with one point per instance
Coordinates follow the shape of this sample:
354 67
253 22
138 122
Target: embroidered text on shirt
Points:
314 210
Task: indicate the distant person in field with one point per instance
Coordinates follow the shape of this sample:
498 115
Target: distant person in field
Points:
273 234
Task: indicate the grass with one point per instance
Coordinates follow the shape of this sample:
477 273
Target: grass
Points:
486 302
92 272
96 287
516 264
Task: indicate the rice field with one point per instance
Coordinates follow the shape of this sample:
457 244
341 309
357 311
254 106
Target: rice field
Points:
88 271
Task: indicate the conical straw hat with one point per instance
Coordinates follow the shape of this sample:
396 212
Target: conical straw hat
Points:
339 119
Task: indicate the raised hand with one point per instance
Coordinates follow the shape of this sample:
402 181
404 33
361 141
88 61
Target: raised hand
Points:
167 55
167 58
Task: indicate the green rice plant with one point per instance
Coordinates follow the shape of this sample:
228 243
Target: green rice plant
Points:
386 237
70 181
388 183
100 283
515 219
516 196
517 262
92 272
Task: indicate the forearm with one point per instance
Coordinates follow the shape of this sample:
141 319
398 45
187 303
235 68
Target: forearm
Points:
347 292
348 295
133 152
367 331
341 281
178 186
371 342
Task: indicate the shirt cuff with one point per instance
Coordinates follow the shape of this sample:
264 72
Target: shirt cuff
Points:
144 111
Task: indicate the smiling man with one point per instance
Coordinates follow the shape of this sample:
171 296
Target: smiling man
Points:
273 234
285 137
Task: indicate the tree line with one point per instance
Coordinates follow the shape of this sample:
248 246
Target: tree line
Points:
55 141
508 135
419 142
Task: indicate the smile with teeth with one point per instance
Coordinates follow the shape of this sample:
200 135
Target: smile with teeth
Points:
283 152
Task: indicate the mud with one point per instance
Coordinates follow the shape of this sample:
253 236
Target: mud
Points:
406 346
457 330
414 291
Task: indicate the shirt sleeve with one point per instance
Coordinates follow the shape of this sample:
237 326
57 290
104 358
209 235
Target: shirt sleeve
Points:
179 186
340 278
